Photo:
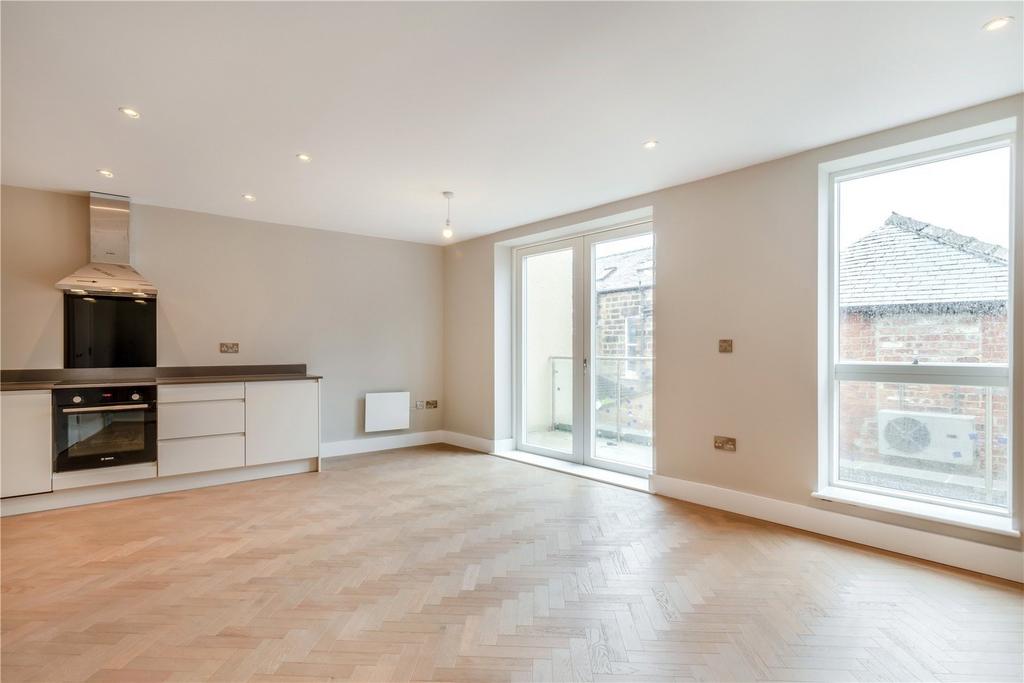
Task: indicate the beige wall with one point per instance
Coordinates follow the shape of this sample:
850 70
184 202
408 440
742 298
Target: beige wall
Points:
365 313
737 257
44 236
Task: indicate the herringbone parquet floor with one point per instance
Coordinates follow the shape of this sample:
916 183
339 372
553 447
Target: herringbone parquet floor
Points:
439 564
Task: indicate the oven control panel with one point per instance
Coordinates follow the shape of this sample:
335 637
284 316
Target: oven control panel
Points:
98 396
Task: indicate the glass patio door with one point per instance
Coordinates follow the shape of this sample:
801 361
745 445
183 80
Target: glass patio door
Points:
586 349
620 378
548 342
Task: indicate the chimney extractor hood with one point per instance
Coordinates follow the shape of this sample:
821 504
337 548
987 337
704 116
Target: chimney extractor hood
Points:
109 270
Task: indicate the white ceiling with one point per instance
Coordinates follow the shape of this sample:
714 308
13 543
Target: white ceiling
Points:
526 111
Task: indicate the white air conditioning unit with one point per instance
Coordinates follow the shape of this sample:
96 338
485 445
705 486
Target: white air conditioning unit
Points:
935 437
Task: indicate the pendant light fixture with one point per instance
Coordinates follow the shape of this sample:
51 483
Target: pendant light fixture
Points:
447 231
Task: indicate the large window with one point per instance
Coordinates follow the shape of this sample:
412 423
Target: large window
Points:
916 399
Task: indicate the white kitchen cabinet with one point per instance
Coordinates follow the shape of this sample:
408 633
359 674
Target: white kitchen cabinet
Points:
200 418
200 427
282 421
201 454
26 443
202 391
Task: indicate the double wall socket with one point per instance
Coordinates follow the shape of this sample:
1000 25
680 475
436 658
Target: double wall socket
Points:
725 443
725 345
420 405
229 347
431 404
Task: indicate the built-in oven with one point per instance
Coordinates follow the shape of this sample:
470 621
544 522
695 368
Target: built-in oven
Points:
103 427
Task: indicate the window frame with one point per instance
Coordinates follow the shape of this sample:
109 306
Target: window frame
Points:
832 369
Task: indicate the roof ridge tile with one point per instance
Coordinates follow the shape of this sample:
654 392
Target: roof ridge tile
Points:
951 238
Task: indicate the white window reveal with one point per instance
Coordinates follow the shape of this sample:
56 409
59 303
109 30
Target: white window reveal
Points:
916 331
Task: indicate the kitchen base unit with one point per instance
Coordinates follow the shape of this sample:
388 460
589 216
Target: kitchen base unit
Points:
26 443
207 432
281 421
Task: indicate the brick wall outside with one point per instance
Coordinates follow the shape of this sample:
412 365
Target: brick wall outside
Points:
930 337
902 336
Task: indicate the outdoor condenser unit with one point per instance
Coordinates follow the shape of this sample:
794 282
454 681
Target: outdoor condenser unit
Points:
935 437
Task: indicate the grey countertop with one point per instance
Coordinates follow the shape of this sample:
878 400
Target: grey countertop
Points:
28 380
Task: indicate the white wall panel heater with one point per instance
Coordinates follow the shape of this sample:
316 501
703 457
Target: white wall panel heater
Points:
389 410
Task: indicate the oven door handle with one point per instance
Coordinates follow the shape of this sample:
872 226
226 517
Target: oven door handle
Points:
107 409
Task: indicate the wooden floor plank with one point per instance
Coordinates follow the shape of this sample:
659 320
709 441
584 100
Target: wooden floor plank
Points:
434 563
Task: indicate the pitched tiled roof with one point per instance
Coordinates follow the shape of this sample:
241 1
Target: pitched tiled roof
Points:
906 261
625 270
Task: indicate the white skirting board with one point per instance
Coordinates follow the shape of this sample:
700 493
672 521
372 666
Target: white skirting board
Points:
473 443
146 487
956 552
334 449
372 444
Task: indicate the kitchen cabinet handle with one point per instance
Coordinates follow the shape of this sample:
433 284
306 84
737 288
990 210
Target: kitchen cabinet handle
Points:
106 409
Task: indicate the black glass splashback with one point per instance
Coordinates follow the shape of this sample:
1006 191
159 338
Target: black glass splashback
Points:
109 332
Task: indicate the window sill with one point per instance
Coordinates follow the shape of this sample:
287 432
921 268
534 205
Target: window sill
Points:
969 519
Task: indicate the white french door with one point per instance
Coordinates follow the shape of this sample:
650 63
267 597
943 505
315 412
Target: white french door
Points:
585 349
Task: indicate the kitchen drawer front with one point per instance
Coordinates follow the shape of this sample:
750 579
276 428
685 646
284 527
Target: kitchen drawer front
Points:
215 391
203 418
201 454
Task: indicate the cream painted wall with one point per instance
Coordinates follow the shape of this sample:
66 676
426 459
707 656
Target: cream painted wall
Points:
42 239
736 257
366 313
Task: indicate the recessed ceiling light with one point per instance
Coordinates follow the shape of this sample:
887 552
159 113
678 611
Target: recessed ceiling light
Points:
650 144
304 158
249 197
997 23
105 172
129 112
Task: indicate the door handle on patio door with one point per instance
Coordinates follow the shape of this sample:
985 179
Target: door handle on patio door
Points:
585 365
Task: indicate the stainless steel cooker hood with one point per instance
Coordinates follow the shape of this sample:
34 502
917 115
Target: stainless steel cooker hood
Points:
109 270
